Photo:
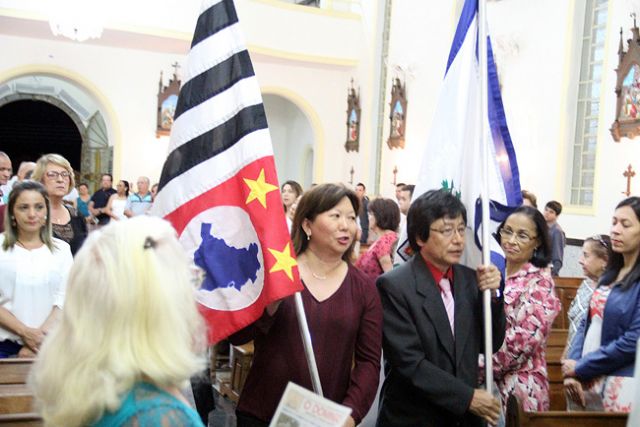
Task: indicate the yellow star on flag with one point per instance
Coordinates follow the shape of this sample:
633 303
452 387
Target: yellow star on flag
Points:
259 189
284 261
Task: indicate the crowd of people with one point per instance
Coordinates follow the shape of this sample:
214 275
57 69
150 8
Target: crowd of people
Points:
126 338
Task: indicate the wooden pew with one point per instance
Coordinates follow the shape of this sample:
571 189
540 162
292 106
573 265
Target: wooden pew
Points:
243 357
15 371
21 420
15 398
517 417
555 346
566 288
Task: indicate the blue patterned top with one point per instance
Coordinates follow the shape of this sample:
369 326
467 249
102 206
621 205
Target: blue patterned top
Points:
147 405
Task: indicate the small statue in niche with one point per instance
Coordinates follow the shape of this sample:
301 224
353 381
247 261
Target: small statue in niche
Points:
398 115
627 119
353 120
167 102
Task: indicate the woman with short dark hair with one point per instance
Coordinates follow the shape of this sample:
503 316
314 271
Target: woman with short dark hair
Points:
342 308
530 305
384 218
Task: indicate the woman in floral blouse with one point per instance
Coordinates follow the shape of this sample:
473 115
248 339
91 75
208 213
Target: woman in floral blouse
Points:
384 219
530 305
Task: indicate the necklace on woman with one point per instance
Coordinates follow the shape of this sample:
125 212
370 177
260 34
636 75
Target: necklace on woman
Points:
332 265
327 273
317 276
57 215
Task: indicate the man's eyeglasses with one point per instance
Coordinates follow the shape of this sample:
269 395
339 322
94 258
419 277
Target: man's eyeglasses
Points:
448 231
521 236
55 175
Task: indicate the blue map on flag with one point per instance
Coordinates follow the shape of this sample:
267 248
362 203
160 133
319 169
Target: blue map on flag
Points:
225 266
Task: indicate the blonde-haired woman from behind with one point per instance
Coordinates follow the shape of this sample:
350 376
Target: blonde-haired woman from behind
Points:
130 334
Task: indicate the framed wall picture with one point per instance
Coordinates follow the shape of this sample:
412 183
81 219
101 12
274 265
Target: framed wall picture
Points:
167 101
353 120
627 121
398 115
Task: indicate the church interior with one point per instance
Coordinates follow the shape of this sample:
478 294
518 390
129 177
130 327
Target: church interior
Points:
96 101
350 89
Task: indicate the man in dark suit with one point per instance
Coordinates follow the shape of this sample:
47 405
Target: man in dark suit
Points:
433 324
363 213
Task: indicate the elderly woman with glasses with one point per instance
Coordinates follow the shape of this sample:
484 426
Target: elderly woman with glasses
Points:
595 255
56 174
530 305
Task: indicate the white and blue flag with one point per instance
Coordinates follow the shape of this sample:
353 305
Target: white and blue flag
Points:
452 157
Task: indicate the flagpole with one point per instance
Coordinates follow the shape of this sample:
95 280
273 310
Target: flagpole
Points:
486 254
308 347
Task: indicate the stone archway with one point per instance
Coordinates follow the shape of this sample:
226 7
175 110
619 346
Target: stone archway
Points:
47 114
32 125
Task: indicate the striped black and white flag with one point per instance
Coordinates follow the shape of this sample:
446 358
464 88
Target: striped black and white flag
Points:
219 185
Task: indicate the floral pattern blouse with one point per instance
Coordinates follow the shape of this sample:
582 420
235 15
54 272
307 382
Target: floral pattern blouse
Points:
617 393
519 367
368 262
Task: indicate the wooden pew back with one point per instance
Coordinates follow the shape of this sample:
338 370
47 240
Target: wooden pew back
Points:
21 420
517 417
555 346
15 371
566 288
15 398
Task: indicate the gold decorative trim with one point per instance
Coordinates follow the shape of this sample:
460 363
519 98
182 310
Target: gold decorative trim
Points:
294 56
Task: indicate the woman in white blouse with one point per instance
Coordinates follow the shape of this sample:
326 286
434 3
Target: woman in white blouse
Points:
33 272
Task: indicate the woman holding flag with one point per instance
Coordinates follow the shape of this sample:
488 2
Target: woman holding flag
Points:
530 306
342 308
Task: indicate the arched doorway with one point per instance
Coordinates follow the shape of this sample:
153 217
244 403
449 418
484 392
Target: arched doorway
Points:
31 128
43 113
293 139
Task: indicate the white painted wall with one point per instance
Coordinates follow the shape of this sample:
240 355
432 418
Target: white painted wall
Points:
124 84
124 81
421 35
292 138
538 88
537 49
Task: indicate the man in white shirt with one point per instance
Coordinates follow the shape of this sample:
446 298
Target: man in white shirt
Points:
139 203
5 174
